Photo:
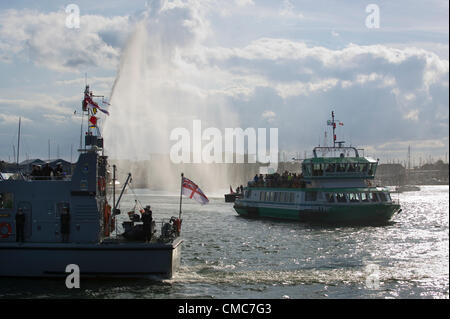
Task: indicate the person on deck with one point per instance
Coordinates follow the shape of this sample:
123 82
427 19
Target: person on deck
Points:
36 172
147 219
59 171
47 171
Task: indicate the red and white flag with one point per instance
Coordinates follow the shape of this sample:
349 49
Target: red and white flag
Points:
93 105
191 190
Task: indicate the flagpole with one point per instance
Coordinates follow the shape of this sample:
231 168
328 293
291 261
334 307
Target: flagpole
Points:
181 194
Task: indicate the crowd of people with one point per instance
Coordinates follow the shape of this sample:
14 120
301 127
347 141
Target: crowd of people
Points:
285 180
47 172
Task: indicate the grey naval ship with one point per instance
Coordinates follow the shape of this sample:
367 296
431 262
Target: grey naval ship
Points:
43 248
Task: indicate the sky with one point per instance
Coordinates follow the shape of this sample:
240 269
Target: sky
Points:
242 63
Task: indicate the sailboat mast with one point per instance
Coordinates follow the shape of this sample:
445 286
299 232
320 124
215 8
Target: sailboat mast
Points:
18 143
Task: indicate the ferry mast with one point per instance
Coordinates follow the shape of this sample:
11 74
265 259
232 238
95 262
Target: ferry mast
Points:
333 124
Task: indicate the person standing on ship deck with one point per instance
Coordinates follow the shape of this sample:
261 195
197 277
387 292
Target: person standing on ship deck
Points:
147 219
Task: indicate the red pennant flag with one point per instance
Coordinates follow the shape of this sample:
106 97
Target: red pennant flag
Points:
93 120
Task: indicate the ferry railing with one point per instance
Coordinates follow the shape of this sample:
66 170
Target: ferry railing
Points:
48 178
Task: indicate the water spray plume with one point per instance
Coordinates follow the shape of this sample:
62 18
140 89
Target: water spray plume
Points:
158 88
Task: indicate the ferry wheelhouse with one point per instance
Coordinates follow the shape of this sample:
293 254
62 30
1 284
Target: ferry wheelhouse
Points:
335 186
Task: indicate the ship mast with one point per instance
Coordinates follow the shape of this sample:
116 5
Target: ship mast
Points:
90 108
18 143
334 128
333 124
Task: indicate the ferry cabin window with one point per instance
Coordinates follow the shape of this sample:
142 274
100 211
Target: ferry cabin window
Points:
6 201
365 197
388 197
341 167
311 196
353 197
329 197
308 169
317 170
276 196
340 198
330 168
261 196
248 193
374 197
281 197
365 167
382 197
291 197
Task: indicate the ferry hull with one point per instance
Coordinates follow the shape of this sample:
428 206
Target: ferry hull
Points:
122 260
372 214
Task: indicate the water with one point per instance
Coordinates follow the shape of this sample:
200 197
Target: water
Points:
226 256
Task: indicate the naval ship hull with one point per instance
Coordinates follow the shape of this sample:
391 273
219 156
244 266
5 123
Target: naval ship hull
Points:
345 214
119 260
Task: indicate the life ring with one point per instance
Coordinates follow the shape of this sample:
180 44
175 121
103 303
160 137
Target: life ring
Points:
9 230
101 184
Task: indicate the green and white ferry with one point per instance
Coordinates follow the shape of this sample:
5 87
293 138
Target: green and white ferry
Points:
332 189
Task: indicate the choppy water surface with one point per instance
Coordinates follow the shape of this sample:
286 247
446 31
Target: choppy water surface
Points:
226 256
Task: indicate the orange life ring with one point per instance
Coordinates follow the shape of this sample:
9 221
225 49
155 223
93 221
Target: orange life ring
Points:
9 230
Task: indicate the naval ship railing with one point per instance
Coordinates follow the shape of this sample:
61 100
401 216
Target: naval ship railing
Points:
48 178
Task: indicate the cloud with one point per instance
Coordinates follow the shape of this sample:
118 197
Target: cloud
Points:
12 119
288 10
100 83
41 102
176 67
269 116
44 39
334 33
243 3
